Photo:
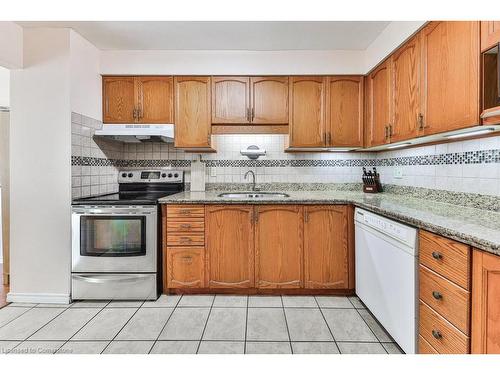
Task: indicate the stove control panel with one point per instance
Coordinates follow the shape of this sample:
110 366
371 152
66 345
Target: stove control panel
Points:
148 176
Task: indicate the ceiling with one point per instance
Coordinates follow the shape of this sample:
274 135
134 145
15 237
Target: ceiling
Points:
232 35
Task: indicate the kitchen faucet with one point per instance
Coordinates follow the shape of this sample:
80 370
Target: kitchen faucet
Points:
253 179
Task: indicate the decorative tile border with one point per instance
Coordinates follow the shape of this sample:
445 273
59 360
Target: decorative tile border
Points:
469 157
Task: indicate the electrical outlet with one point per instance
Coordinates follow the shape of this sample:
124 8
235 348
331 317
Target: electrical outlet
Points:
213 172
398 173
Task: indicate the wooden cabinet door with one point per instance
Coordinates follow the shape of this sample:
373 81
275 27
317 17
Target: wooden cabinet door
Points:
230 100
118 95
485 303
490 34
230 246
279 246
155 99
307 111
345 111
192 112
450 75
326 247
185 267
379 93
405 81
269 100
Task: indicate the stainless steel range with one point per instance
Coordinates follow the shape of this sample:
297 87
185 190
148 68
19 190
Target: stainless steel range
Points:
115 237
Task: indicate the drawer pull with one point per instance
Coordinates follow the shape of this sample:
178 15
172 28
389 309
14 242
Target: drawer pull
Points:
437 295
185 226
437 255
437 335
185 212
187 258
185 239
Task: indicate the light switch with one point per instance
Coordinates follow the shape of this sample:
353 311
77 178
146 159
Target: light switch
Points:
213 172
398 173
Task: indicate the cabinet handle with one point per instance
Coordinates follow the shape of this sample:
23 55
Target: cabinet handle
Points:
256 215
306 216
185 226
185 240
386 132
135 113
436 255
253 114
390 130
420 121
208 139
187 258
248 114
184 212
437 334
437 295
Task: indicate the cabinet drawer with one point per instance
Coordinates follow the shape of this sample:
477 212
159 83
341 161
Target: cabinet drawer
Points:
448 299
175 211
187 239
424 347
440 334
185 267
185 225
448 258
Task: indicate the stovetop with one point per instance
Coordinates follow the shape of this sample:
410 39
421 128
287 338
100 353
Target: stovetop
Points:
141 187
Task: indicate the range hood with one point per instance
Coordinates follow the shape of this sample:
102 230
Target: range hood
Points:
134 133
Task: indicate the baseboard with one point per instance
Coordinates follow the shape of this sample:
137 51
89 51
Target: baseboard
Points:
38 298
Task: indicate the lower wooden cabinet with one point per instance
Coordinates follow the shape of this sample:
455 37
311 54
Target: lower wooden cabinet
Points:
485 303
279 246
327 247
229 246
185 267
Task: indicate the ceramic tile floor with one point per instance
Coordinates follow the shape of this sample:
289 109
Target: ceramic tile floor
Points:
192 324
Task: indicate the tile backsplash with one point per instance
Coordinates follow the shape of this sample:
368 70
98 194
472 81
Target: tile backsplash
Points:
471 166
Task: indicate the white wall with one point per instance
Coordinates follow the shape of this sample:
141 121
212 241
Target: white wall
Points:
40 154
11 45
85 77
4 87
232 62
392 37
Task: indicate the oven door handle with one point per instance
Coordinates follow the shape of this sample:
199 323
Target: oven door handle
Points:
103 280
112 213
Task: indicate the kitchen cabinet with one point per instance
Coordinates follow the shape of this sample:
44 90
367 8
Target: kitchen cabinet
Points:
193 113
230 246
345 111
328 248
185 267
141 99
269 100
450 76
405 91
230 100
490 34
485 303
250 100
119 100
279 246
379 104
307 111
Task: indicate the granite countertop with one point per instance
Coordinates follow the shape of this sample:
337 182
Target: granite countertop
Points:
476 227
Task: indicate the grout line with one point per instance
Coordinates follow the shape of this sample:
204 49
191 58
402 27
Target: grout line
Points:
206 323
372 331
15 307
117 333
329 329
286 323
163 328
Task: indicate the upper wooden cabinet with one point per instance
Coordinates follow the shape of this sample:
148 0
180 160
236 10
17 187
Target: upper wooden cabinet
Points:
345 111
327 247
119 100
307 111
230 100
143 100
405 91
269 100
450 75
229 246
250 100
490 34
485 303
378 102
192 112
279 246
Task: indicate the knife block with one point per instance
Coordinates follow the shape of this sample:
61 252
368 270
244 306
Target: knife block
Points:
373 187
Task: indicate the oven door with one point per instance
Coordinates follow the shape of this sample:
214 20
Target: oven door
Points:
114 239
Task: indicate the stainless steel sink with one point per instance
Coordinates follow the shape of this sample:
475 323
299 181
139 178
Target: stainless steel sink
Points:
253 195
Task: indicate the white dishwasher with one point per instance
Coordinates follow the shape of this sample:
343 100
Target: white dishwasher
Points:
386 274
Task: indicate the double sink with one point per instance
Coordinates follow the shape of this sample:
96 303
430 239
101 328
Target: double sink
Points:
253 195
